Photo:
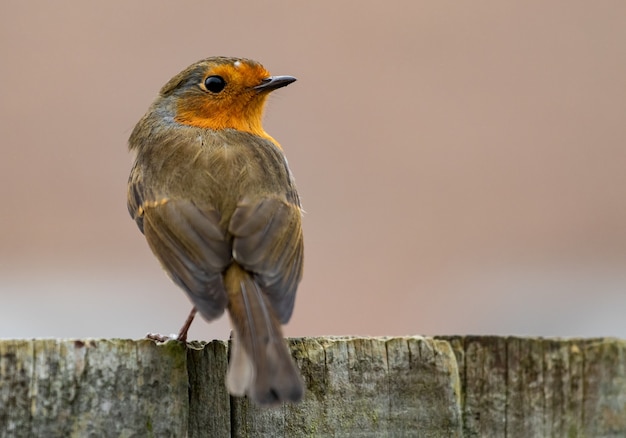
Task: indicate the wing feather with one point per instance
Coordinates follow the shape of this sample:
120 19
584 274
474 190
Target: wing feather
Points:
192 248
268 242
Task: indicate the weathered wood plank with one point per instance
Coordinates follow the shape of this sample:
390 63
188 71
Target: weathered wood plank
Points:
484 381
365 387
209 401
533 387
53 388
563 377
604 388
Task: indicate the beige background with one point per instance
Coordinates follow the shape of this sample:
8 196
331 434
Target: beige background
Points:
462 164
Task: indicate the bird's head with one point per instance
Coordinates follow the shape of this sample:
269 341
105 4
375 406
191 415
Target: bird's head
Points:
221 93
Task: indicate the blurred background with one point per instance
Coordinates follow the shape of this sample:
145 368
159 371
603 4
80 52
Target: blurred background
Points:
462 165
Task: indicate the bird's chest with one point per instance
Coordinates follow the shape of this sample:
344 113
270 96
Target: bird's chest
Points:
220 171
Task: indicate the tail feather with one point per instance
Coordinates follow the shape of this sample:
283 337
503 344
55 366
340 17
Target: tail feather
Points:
260 364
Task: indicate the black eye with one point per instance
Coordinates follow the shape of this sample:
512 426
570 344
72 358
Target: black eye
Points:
214 84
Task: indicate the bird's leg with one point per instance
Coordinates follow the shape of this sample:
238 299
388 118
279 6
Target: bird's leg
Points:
182 334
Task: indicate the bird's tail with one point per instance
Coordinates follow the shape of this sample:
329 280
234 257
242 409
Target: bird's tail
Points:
260 364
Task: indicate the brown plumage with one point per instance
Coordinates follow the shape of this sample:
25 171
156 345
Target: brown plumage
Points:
215 199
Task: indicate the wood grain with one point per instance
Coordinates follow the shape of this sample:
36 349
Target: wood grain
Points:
356 387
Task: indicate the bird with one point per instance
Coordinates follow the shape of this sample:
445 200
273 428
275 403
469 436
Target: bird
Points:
215 198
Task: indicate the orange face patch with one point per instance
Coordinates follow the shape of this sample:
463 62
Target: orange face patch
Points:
238 106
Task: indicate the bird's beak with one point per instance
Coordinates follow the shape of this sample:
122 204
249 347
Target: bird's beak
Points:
274 82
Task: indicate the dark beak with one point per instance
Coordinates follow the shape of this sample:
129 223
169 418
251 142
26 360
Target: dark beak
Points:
274 82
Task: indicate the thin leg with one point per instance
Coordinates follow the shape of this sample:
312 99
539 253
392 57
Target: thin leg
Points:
182 335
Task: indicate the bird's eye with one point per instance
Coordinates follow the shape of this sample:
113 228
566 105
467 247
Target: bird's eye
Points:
214 84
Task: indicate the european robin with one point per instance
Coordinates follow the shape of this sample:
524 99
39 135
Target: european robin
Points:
213 194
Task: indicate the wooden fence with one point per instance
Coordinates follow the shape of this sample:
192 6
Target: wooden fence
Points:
356 387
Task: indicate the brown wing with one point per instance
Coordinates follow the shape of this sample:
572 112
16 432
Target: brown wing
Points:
190 245
268 242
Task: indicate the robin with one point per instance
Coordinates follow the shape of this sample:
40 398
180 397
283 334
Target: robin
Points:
213 194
